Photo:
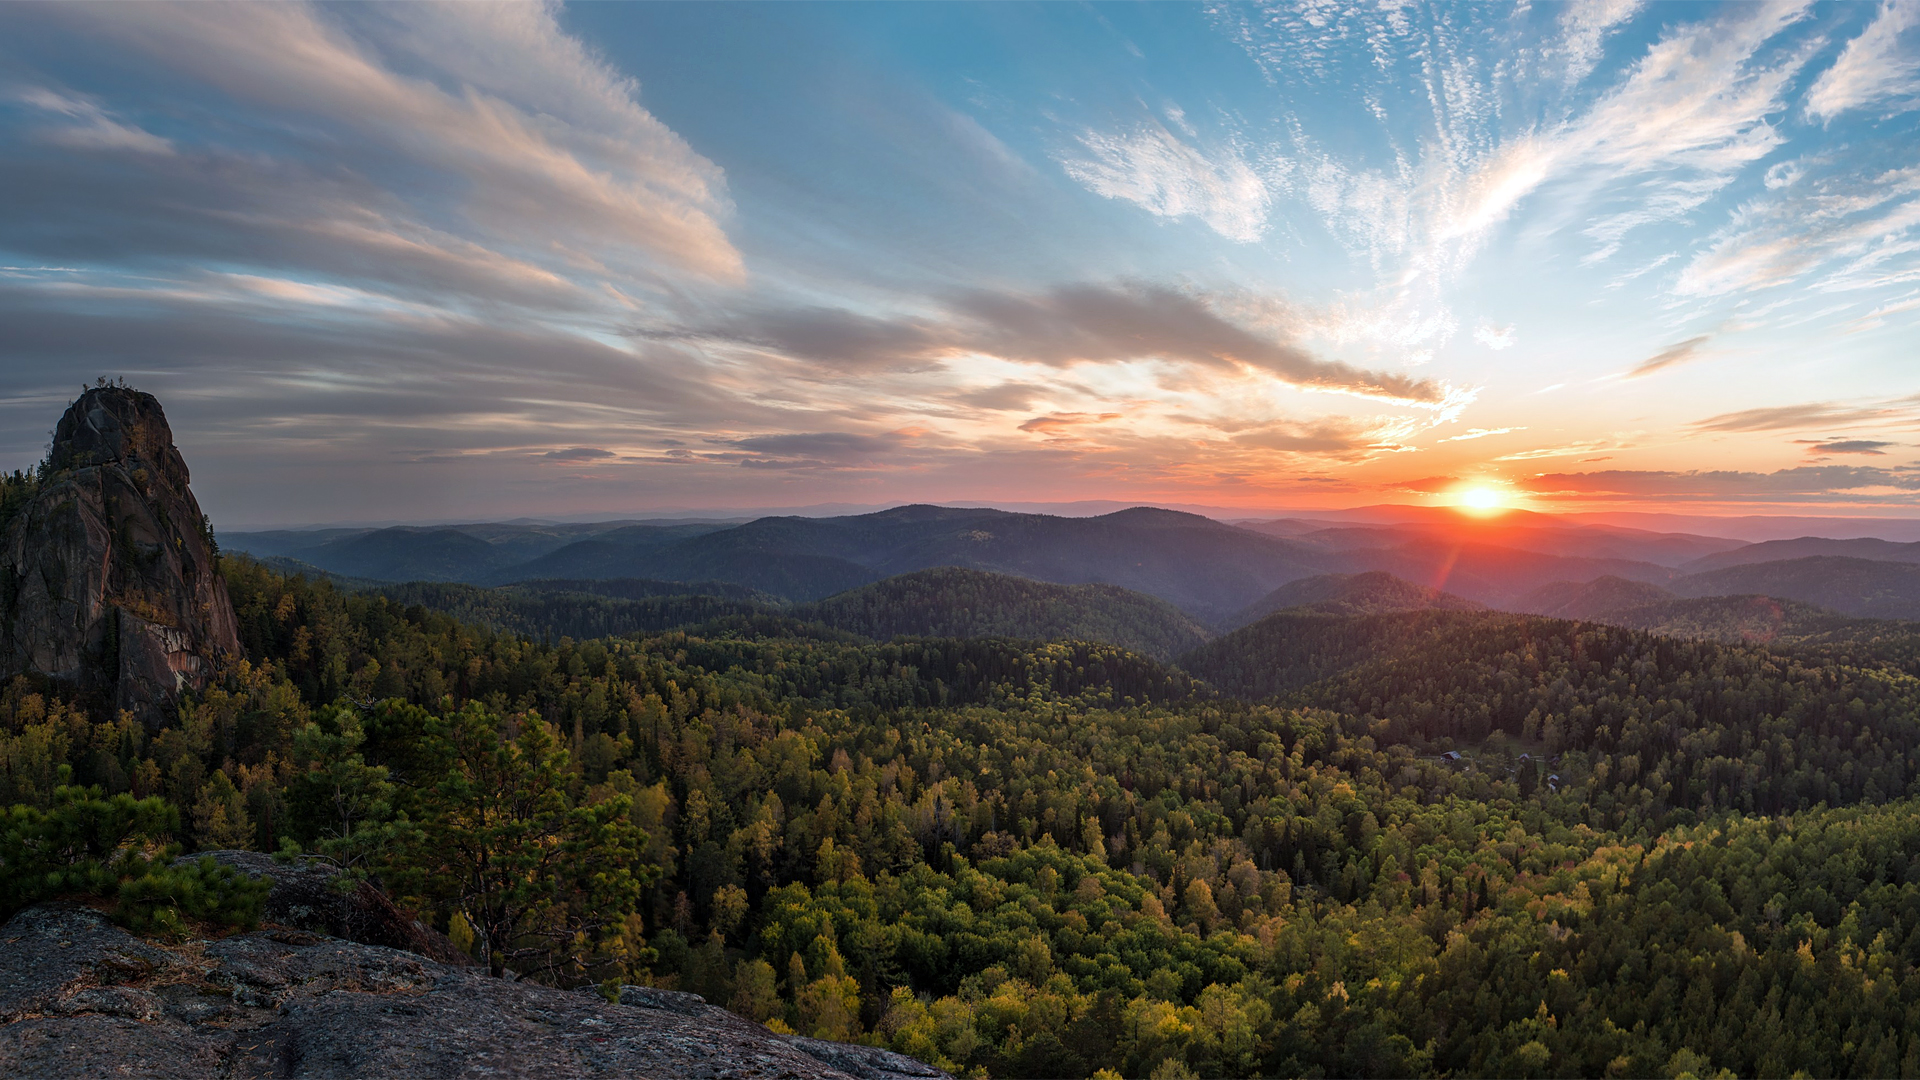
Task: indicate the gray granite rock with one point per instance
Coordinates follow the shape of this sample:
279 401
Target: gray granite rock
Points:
309 895
107 581
79 996
866 1062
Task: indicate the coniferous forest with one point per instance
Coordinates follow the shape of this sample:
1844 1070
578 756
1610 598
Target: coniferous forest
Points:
1426 843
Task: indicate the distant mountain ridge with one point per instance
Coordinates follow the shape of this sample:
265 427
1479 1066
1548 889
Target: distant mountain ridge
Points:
1216 573
1201 566
1853 586
1868 548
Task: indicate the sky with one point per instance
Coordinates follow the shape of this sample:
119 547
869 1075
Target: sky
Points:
421 262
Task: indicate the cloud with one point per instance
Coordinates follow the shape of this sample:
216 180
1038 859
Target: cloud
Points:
1668 357
1798 484
1881 64
1058 425
1569 450
1494 337
1060 327
578 453
1677 128
381 113
1808 223
834 337
1004 397
814 450
1480 433
1586 25
340 390
1155 170
1850 446
94 129
1813 414
1338 438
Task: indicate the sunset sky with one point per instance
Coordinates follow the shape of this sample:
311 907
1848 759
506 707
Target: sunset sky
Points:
423 263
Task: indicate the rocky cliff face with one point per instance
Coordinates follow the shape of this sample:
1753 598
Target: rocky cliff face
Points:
107 574
81 997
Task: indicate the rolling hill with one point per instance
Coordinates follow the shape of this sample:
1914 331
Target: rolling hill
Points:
954 602
945 602
1201 566
1216 573
1370 593
408 555
1852 586
1802 547
1758 620
1592 600
1298 647
1517 530
1495 576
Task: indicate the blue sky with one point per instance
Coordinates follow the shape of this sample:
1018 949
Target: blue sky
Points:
427 262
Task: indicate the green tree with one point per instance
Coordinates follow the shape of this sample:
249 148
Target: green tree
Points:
338 804
220 818
544 881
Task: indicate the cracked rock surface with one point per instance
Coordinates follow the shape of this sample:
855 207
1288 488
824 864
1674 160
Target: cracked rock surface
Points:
80 996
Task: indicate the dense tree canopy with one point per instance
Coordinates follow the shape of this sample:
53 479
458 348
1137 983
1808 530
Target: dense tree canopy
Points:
1650 857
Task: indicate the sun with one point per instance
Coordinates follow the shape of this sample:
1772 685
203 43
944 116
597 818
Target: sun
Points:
1480 500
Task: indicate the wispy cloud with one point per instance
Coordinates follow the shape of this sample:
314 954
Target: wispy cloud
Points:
1085 324
1806 481
816 450
1812 414
1873 447
89 126
1061 425
1338 439
1494 337
1567 450
548 142
1882 64
1480 433
1804 225
1670 133
1586 25
1158 171
1678 353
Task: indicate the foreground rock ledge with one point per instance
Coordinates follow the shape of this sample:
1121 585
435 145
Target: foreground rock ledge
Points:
81 997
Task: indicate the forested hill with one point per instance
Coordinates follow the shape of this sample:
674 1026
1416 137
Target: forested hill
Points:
954 602
1760 620
1025 860
1862 587
1690 726
550 610
1370 593
947 602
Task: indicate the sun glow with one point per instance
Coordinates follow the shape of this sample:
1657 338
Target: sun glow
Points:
1480 500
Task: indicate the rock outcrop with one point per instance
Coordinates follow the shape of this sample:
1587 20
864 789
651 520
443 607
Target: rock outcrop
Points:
308 895
81 997
107 575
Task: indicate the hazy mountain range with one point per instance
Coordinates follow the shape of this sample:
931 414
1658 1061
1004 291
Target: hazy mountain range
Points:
1220 575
